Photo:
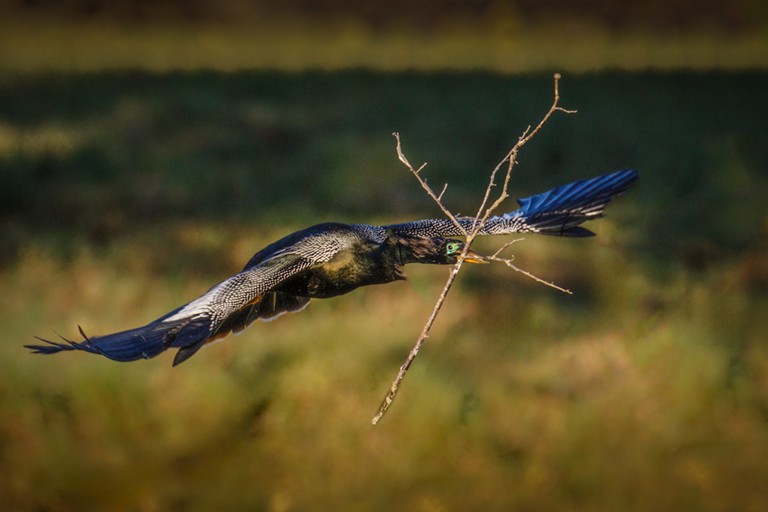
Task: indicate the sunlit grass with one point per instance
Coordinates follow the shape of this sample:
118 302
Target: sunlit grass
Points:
635 399
35 45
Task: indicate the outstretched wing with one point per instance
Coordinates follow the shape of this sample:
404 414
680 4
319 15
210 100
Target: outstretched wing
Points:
229 306
559 211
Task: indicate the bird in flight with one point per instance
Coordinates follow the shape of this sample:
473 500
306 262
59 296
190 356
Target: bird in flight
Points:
332 259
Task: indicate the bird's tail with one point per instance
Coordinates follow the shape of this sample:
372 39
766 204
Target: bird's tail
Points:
140 343
560 211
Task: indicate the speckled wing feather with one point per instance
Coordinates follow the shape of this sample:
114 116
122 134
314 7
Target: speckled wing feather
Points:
559 211
229 305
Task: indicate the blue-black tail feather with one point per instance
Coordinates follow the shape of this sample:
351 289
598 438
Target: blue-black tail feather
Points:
560 211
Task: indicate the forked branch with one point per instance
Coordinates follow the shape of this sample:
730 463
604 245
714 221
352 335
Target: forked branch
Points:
484 211
438 198
508 262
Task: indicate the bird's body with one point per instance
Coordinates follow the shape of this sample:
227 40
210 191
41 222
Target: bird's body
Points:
332 259
359 255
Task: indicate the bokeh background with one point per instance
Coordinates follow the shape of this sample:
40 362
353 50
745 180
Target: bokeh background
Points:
148 148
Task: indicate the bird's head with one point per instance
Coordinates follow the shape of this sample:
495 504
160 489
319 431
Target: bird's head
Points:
438 251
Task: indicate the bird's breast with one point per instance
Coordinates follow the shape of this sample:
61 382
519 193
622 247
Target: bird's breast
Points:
347 270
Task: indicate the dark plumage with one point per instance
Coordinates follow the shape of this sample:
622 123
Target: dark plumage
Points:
332 259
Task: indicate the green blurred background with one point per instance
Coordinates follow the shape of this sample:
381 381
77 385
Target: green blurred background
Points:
147 149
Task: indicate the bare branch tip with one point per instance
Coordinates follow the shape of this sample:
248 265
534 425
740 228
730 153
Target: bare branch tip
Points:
442 192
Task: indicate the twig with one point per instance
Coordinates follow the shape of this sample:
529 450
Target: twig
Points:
483 213
508 262
390 397
511 158
504 247
437 198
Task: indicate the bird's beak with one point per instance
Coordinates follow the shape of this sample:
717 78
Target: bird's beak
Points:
476 257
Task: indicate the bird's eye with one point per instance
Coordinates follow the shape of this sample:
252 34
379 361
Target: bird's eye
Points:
451 248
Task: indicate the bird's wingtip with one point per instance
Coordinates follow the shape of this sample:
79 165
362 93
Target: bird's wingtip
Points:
52 347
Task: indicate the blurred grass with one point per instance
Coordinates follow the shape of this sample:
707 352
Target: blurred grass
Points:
96 152
521 398
123 194
502 43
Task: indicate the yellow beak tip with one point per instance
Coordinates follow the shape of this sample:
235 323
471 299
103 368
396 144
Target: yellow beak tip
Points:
474 257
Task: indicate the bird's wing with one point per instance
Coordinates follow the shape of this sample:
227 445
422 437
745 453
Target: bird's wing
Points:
228 306
559 211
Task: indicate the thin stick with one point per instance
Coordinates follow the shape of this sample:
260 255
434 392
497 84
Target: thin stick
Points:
437 198
508 262
511 158
419 343
483 213
503 248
